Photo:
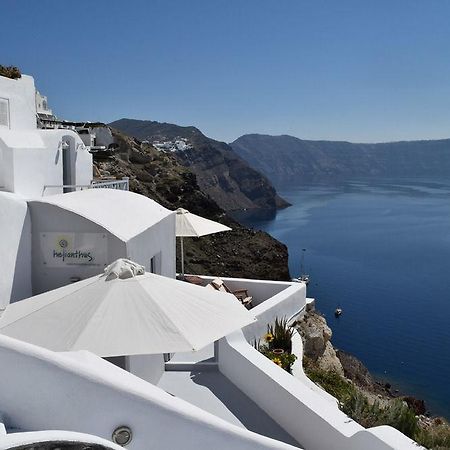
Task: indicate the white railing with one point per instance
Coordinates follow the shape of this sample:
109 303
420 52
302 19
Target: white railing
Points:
123 185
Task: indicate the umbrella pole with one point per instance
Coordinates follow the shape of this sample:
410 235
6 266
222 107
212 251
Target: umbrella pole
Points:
182 256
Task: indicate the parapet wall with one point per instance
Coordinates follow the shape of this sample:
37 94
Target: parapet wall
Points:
80 392
312 419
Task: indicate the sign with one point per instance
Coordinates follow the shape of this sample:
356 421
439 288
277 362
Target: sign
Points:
74 249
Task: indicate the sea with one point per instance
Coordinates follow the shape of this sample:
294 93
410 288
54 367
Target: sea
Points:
380 250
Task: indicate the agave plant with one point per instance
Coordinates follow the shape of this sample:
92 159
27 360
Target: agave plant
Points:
279 335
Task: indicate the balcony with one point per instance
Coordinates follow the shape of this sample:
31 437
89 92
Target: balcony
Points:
123 185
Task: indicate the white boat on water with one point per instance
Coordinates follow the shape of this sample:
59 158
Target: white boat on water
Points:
59 226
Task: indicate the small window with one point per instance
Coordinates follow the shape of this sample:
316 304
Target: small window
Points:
4 112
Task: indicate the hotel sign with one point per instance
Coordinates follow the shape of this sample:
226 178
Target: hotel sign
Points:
74 249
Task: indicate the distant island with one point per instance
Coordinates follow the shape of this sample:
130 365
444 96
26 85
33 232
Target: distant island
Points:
286 159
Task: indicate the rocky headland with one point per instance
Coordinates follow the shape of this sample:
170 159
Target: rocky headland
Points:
220 172
367 400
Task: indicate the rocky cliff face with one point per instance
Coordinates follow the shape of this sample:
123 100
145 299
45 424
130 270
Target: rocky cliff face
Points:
160 176
286 159
316 336
220 172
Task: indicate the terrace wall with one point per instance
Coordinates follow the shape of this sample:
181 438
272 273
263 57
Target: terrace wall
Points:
80 392
271 299
312 419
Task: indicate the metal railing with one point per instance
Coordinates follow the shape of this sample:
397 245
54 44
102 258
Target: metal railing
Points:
123 185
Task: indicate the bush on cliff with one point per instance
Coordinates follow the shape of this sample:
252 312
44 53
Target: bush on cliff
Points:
10 72
434 435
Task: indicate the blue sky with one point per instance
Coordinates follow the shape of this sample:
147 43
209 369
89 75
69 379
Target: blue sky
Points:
357 70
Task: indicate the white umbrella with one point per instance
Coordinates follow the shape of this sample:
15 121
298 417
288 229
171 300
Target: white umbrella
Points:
191 225
125 311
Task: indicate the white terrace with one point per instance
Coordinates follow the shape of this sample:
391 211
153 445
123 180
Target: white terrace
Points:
233 397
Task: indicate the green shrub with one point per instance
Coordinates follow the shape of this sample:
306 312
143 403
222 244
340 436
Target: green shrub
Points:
335 385
279 335
356 405
278 344
435 437
283 360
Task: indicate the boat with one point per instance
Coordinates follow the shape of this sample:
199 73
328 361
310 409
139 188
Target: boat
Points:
337 312
303 278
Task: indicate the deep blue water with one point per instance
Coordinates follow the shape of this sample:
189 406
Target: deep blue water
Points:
381 251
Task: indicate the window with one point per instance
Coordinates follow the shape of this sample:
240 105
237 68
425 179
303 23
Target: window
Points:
4 112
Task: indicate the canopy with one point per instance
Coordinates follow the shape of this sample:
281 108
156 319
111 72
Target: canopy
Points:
125 311
191 225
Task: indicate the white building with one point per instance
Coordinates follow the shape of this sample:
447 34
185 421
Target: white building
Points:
54 232
43 176
42 105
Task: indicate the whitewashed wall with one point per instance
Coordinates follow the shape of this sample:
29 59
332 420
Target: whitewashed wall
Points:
148 367
32 158
15 249
159 242
80 392
271 300
22 102
288 303
50 218
310 418
81 159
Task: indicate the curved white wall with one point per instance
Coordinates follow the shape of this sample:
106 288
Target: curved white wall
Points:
80 392
58 438
306 415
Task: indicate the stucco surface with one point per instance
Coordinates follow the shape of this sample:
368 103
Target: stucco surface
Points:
15 249
213 392
22 102
85 394
123 213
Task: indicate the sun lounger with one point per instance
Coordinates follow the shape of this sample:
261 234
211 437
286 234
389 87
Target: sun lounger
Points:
241 294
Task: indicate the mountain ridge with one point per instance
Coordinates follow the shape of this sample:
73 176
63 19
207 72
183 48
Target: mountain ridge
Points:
221 173
285 159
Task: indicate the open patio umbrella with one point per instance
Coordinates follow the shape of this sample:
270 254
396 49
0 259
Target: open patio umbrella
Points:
191 225
125 311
